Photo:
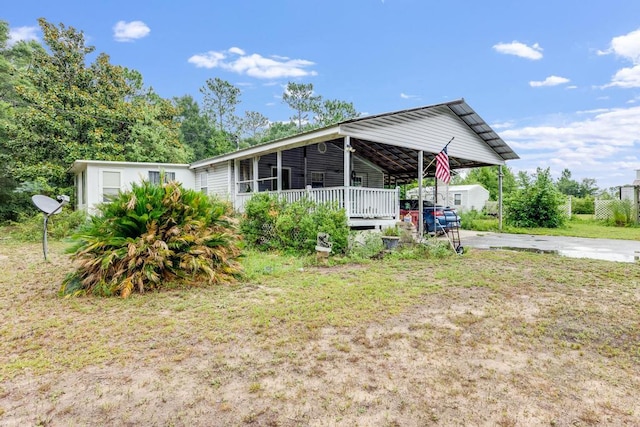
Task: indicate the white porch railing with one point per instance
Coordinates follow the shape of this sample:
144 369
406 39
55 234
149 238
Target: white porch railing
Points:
364 202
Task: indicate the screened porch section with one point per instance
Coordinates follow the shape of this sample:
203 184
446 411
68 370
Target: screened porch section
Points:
316 173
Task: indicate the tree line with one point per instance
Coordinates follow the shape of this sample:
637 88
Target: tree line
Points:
56 107
488 178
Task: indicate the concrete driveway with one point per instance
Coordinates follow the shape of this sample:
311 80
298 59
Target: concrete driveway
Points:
575 247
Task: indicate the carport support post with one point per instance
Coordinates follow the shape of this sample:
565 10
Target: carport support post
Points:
500 198
420 197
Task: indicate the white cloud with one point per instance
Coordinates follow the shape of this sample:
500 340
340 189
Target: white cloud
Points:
253 65
592 146
129 31
207 60
236 50
550 81
519 49
626 78
503 125
628 48
405 96
22 34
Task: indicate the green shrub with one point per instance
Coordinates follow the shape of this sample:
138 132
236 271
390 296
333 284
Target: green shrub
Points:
364 245
479 221
270 223
623 213
153 236
259 220
59 226
439 249
537 204
585 205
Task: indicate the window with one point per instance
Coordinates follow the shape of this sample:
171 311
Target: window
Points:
110 185
317 179
457 199
154 177
83 187
204 182
357 181
286 178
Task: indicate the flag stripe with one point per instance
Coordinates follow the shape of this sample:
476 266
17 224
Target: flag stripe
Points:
443 172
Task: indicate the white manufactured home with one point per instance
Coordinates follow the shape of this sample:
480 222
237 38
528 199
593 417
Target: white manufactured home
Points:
356 164
97 180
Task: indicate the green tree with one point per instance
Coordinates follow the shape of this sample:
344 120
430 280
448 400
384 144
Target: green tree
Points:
14 62
588 187
220 101
279 130
523 179
196 130
536 204
488 178
300 98
70 110
254 125
332 111
566 185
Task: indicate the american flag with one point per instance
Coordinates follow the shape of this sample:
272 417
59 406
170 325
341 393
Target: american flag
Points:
443 172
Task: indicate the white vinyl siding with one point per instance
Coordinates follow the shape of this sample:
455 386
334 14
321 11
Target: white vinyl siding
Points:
218 180
427 130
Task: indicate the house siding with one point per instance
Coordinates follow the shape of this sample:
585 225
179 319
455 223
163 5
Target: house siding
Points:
428 130
218 180
129 173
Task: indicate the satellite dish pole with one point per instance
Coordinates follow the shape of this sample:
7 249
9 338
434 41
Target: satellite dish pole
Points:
49 207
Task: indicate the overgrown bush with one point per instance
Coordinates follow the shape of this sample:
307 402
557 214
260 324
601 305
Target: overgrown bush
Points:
270 223
59 226
479 221
585 205
536 204
623 213
153 236
364 245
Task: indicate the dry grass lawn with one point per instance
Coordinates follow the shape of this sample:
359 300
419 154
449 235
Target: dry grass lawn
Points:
488 338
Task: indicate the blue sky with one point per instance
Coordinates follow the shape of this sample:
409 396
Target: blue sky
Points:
559 80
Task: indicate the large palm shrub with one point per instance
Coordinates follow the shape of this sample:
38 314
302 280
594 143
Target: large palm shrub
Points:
152 236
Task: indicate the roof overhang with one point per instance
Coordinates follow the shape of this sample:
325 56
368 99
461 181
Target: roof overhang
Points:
394 151
80 165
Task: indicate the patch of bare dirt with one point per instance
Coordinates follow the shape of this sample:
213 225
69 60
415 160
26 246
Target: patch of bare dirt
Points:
448 361
467 355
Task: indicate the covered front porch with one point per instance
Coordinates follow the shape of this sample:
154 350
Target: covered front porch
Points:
358 164
365 207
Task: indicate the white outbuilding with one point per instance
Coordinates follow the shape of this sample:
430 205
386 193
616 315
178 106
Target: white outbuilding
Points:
462 197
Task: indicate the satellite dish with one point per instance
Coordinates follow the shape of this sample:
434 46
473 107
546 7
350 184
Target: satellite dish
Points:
49 207
47 204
